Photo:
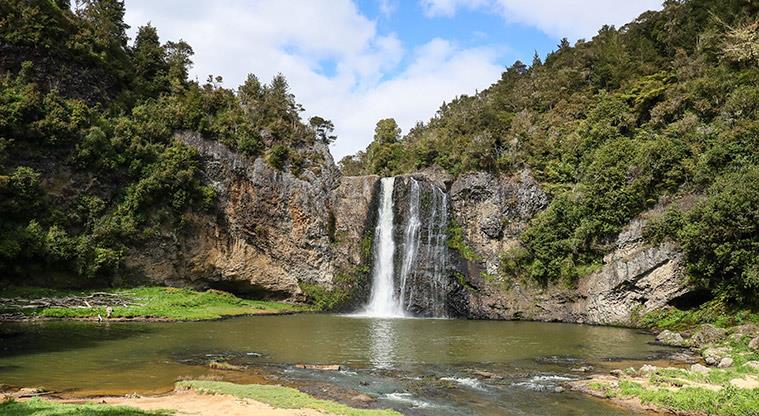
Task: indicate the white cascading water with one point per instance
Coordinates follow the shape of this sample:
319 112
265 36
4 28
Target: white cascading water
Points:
410 240
383 302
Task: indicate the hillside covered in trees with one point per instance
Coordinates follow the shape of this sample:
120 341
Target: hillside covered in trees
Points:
663 111
88 160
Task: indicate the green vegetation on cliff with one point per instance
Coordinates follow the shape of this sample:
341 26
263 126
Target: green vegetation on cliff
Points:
89 161
660 111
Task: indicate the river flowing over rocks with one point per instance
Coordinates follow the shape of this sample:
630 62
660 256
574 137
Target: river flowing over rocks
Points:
275 234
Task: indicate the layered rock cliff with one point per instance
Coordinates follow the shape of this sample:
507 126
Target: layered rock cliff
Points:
635 277
271 232
278 235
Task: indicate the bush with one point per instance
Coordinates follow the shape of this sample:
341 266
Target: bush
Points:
721 237
278 156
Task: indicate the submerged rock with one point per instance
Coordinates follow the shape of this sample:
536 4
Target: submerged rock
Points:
321 367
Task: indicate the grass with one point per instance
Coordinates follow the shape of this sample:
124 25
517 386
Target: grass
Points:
40 407
685 391
728 401
714 312
281 397
157 302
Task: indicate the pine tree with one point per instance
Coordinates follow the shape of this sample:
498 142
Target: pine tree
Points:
178 57
106 20
149 57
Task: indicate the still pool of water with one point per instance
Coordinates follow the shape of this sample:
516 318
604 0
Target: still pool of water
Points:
418 366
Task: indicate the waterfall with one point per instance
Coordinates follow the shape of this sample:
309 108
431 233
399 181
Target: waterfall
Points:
437 246
419 260
410 239
383 301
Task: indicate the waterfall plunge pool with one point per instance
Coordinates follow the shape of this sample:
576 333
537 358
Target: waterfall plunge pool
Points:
417 366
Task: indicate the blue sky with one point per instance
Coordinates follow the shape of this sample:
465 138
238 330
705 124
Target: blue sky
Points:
355 62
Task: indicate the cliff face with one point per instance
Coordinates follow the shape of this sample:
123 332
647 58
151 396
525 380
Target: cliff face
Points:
635 278
274 234
271 231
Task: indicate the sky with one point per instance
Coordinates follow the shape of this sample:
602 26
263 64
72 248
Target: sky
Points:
356 62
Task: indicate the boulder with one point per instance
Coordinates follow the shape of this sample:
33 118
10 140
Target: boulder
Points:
746 330
725 362
754 344
752 364
616 373
29 392
713 356
363 398
486 374
671 338
647 368
700 369
707 334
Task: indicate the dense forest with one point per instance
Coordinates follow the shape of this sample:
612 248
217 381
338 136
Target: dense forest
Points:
89 163
662 112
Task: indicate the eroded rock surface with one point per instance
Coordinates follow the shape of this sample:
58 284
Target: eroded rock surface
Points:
635 278
270 232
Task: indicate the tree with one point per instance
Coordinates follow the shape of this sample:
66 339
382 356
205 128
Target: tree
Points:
387 131
353 165
383 155
536 62
323 129
178 58
106 19
251 94
150 64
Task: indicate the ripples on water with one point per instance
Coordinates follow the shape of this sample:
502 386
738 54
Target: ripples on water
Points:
419 366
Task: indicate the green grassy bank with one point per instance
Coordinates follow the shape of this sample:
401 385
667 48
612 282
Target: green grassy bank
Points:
281 397
142 302
40 407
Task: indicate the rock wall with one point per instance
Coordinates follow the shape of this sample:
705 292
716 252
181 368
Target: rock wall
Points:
270 234
635 278
493 211
274 233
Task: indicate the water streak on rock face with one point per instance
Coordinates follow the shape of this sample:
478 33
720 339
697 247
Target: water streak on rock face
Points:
410 240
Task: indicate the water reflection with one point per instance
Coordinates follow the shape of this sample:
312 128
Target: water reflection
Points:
382 339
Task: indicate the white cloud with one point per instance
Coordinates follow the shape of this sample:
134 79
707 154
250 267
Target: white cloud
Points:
448 8
374 75
573 19
388 7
